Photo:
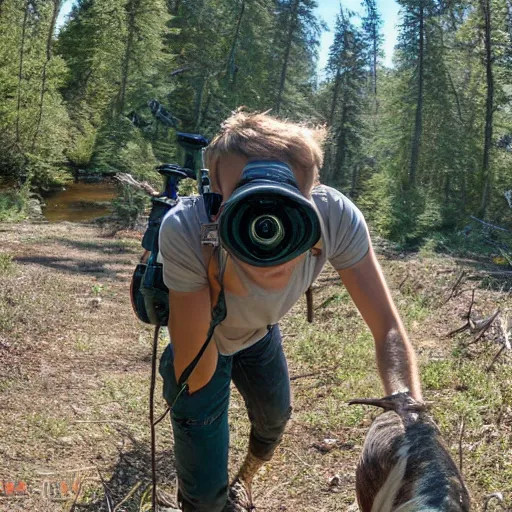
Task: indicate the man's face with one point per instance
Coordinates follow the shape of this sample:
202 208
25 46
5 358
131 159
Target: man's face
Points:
229 172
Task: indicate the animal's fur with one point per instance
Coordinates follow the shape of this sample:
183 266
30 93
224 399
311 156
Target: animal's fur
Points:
404 466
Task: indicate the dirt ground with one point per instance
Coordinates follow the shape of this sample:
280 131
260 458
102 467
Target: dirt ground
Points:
75 369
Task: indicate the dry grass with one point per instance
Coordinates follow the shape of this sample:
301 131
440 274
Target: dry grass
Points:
75 368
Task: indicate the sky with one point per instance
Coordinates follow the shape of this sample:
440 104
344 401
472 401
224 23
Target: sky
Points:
328 10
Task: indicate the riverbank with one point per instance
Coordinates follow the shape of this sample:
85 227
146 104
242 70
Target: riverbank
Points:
76 201
74 377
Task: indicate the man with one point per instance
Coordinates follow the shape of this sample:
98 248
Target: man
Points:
247 346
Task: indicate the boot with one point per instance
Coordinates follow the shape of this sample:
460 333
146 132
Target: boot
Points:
240 498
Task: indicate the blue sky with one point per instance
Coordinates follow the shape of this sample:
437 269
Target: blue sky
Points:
328 10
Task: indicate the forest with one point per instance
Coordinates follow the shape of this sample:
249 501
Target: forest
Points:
423 146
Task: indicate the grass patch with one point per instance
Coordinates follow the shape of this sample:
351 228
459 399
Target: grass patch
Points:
12 206
437 375
44 426
6 263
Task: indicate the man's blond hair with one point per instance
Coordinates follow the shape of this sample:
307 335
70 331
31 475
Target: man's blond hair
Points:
261 136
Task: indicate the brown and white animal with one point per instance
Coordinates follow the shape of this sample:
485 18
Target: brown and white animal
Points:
405 466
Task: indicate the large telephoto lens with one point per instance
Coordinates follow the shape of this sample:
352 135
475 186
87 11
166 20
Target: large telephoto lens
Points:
267 226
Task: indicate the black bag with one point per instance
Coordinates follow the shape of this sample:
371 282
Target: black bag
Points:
149 294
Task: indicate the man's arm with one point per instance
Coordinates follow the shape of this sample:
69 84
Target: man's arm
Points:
395 356
189 321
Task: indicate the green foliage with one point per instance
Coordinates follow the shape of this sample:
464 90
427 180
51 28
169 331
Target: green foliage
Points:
33 118
128 205
121 147
12 206
406 142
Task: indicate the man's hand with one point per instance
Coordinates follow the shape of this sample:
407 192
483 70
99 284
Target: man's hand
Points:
395 356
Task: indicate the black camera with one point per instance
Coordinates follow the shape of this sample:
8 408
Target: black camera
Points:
267 221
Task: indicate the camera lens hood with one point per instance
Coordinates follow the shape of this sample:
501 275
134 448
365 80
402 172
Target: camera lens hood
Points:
273 209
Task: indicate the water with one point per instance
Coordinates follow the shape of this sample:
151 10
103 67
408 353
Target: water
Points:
80 202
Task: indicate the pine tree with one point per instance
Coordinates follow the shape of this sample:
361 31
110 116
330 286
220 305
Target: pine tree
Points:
371 25
34 124
297 33
347 72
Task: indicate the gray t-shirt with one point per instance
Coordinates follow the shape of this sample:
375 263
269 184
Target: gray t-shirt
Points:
345 241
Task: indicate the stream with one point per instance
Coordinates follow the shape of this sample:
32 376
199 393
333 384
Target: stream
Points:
79 202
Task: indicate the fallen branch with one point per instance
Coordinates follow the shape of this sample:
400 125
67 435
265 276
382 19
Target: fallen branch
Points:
489 368
313 374
104 421
458 282
108 494
403 281
128 496
495 495
73 505
505 340
128 179
60 472
481 326
298 457
489 225
483 273
466 316
461 435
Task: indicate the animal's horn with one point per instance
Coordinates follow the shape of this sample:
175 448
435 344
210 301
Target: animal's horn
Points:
397 402
387 403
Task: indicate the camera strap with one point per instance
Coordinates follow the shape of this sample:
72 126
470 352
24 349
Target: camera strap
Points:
219 313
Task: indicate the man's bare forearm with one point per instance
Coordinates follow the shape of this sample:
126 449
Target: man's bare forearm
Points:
397 363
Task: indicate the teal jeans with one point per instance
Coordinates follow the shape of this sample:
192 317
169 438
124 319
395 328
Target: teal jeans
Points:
200 419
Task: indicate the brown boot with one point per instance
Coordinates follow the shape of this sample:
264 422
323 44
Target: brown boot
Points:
240 497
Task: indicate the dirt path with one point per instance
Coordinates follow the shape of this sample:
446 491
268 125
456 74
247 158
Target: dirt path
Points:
75 369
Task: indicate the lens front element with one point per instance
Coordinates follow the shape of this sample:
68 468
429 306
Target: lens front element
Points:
267 230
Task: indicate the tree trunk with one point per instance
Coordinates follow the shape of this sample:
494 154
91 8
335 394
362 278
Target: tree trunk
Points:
355 180
374 70
416 141
132 7
486 10
206 108
341 146
174 7
20 72
231 60
336 91
199 102
53 21
289 40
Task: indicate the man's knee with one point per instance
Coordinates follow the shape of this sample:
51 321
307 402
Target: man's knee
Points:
266 436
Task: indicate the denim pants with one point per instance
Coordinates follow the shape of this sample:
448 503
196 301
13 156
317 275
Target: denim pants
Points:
200 419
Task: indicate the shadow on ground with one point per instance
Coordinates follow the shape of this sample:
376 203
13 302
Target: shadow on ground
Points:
71 265
131 478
